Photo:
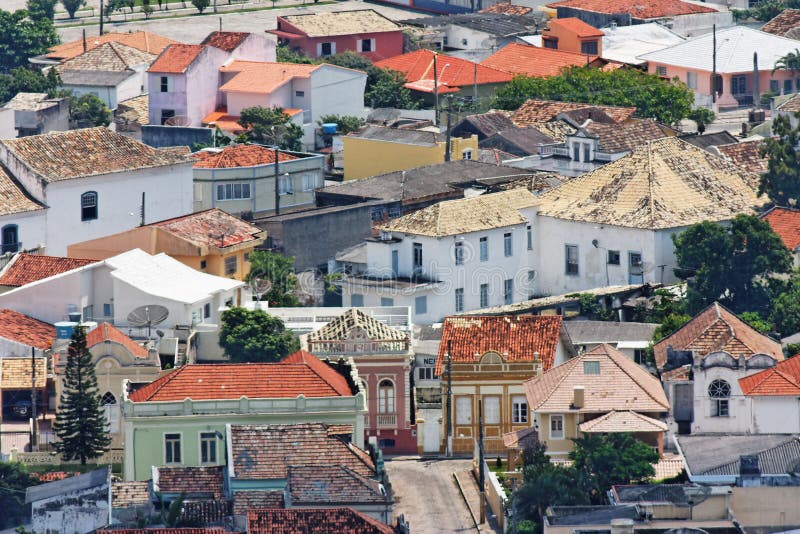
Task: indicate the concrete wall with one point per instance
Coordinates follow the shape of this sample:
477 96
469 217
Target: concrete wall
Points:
767 509
7 130
78 511
739 418
256 47
162 136
31 227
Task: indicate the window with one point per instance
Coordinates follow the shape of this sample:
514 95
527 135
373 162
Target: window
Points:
172 448
661 70
386 301
208 447
366 45
203 264
309 182
639 356
591 368
508 291
464 42
459 253
166 114
10 236
285 185
230 265
108 310
587 152
739 85
720 392
463 410
356 299
613 257
425 373
395 262
787 86
691 79
519 410
507 250
484 295
417 257
88 313
774 86
108 403
207 310
247 257
466 154
233 191
589 47
326 49
550 43
165 84
421 305
576 151
484 246
386 396
556 427
571 257
89 206
300 94
459 299
529 234
491 410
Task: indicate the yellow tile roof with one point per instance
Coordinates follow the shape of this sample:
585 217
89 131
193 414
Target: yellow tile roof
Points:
626 421
15 373
666 183
484 212
342 23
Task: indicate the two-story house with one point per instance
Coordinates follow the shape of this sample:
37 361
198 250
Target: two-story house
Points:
571 34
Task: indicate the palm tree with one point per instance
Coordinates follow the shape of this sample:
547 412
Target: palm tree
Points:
790 61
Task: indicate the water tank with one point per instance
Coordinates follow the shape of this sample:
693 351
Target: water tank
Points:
65 329
330 128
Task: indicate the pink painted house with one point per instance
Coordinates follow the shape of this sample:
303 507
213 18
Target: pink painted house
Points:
324 34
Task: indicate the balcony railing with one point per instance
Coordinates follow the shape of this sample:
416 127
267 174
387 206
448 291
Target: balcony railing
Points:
387 420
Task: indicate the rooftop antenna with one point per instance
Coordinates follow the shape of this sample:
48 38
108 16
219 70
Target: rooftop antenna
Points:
148 315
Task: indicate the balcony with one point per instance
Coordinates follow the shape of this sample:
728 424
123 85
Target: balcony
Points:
387 420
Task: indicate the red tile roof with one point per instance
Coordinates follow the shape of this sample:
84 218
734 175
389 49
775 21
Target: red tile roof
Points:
576 26
107 333
27 268
746 154
317 520
18 327
452 72
225 229
263 77
515 338
207 480
636 8
533 61
783 379
300 373
786 223
176 58
239 156
246 500
534 111
783 23
227 41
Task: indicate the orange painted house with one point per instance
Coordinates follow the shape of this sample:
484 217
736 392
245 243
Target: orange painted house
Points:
573 35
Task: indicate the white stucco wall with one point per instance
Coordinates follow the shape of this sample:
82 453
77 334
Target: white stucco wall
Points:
31 227
339 91
739 419
48 300
7 130
775 415
256 47
77 511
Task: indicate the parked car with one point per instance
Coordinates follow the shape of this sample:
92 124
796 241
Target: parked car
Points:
22 409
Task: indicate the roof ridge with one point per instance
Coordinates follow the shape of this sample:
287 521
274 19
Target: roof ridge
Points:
166 379
627 365
564 374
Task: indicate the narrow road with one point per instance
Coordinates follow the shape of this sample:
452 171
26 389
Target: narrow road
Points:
425 492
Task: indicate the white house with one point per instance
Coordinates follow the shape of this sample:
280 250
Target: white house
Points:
772 394
94 182
23 220
449 258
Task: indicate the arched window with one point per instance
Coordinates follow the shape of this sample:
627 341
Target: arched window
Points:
89 206
108 398
386 396
108 402
720 392
10 236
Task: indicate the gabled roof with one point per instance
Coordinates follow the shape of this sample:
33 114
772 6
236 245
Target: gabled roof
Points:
58 156
331 485
227 41
624 421
451 72
234 156
576 26
108 57
783 22
211 227
533 61
257 499
266 452
300 373
15 372
616 138
356 320
486 124
461 216
264 77
334 23
150 43
719 454
26 330
518 141
534 111
108 333
786 223
323 520
621 385
23 101
516 338
717 329
781 380
666 183
638 10
26 268
790 105
13 197
746 155
193 481
176 58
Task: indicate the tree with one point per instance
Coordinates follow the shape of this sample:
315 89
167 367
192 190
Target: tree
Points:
702 117
349 60
345 123
80 424
255 336
13 482
544 486
663 100
147 9
271 126
790 62
42 9
670 325
755 320
786 307
385 89
72 6
25 80
22 37
284 54
201 5
88 110
781 182
535 454
130 4
734 264
278 271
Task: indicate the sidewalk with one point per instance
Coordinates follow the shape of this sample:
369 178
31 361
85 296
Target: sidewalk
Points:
471 493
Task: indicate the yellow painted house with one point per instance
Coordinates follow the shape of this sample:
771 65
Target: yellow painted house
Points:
378 150
211 241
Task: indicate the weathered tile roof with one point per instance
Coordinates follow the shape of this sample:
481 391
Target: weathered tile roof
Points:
176 58
637 10
145 41
133 111
624 421
535 111
246 500
746 155
27 268
124 494
615 138
781 380
557 130
790 105
225 229
13 197
398 135
355 321
518 141
783 22
501 25
526 60
16 373
192 481
340 23
331 485
233 156
707 141
263 77
621 385
227 41
717 329
31 102
584 332
665 183
452 72
266 452
317 520
515 338
518 439
487 124
108 57
719 454
786 223
18 327
300 373
461 216
107 333
576 26
60 156
507 8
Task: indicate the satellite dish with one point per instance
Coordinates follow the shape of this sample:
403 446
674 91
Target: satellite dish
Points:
148 315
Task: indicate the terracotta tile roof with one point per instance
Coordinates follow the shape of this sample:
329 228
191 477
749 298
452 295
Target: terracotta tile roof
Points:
576 26
485 124
223 121
176 58
786 223
517 338
18 327
637 10
317 520
717 329
263 77
108 57
60 156
15 373
27 268
461 216
194 481
107 333
52 476
620 385
535 111
615 138
329 24
266 452
133 111
124 494
783 379
331 485
626 421
790 105
13 197
355 322
518 439
246 500
781 24
507 8
668 467
165 530
533 61
452 72
239 156
225 229
300 373
227 41
556 130
145 41
666 183
746 155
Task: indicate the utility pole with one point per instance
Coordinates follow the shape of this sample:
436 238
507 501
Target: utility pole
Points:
34 441
447 152
277 187
481 461
756 91
101 17
141 211
435 92
714 64
449 402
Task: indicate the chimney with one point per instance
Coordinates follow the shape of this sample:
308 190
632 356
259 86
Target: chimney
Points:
622 526
577 397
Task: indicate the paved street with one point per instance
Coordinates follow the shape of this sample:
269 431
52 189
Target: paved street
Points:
427 494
